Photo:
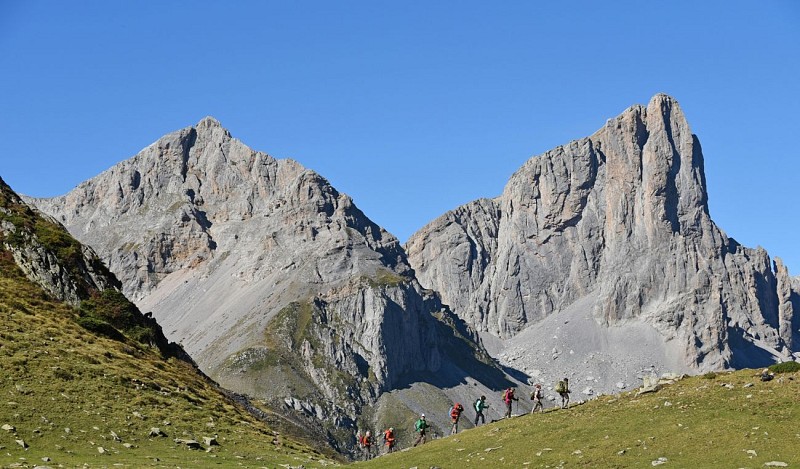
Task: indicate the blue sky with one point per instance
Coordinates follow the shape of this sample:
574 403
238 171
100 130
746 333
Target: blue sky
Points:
412 108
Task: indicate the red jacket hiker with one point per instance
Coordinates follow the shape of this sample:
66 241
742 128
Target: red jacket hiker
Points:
388 439
508 398
455 413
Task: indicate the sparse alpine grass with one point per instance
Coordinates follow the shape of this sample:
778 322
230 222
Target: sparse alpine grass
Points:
68 391
734 420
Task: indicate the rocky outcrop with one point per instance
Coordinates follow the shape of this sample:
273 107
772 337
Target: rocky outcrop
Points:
275 283
618 221
47 255
788 305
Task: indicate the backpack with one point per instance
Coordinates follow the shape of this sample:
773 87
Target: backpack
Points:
418 425
478 406
561 386
456 410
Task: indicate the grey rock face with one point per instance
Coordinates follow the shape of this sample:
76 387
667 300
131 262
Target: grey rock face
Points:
620 217
275 283
788 305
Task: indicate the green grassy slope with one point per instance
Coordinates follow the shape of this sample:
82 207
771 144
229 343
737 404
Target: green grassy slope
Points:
696 422
68 391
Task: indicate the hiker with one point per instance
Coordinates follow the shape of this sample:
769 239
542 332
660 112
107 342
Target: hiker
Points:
480 404
766 375
366 445
562 388
536 397
421 426
508 398
455 414
388 439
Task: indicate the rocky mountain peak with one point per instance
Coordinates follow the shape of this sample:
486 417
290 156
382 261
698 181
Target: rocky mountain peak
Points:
614 226
275 283
208 122
211 129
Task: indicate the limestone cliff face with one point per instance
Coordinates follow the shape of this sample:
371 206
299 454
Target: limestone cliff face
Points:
274 282
621 217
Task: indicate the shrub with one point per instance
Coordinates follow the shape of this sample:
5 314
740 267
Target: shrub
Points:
110 310
710 375
111 306
785 367
143 335
98 326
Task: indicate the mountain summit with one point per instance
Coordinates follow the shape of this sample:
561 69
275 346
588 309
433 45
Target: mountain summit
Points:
275 283
600 257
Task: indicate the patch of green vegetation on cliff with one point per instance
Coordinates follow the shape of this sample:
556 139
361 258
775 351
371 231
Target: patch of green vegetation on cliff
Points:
302 322
280 357
385 278
52 236
292 321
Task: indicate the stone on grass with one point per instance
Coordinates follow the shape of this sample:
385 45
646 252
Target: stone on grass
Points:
191 444
649 384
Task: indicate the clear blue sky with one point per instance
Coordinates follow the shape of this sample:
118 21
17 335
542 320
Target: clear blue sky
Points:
412 108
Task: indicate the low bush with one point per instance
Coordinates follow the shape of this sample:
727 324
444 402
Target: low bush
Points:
785 367
98 326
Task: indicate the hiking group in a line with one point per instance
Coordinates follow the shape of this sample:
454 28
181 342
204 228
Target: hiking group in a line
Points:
421 426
